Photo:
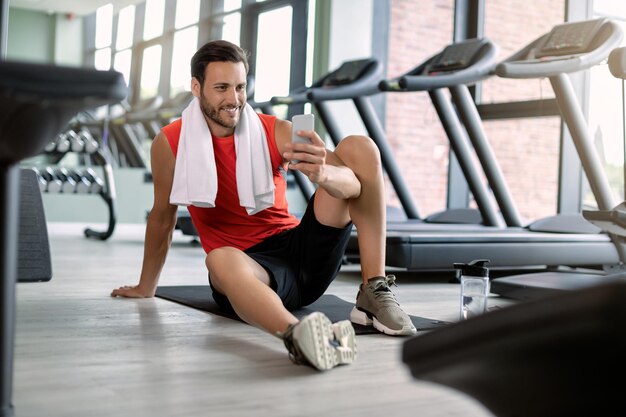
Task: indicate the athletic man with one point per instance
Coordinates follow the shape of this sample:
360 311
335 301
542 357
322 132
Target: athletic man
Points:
262 262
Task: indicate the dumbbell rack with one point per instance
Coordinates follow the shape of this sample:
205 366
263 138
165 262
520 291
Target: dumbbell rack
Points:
70 181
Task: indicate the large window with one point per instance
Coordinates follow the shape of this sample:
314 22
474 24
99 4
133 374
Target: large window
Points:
527 149
104 34
124 41
606 112
413 128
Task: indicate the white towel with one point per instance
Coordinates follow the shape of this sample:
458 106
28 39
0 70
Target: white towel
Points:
195 175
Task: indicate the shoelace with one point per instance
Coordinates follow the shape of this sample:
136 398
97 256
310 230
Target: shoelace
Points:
383 293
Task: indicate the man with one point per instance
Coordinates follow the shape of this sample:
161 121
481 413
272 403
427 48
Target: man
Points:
262 262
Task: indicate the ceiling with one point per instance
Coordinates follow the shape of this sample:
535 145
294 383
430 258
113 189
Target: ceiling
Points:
77 7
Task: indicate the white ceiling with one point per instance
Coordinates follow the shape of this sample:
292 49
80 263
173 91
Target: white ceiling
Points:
77 7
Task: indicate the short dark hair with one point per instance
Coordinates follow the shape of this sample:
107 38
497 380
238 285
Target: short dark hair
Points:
216 51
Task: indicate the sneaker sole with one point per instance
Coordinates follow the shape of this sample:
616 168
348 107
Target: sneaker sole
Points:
316 333
367 319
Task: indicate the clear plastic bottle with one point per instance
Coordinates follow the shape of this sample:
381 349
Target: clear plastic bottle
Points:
474 287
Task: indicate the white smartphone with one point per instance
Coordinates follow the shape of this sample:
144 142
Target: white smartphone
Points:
301 122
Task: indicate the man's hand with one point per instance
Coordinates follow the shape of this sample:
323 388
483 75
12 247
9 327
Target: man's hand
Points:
132 291
312 156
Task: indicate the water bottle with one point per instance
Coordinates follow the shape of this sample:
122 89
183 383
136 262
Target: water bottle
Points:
474 287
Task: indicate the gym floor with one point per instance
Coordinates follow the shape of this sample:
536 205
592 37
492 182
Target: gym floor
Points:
80 352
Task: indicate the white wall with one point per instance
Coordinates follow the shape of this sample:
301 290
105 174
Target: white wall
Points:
68 41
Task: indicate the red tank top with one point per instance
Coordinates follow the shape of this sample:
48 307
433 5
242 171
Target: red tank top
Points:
228 224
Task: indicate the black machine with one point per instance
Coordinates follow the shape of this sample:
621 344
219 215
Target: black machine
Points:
558 356
570 48
37 102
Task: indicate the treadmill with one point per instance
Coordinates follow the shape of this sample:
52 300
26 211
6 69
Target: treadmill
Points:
418 244
567 48
354 78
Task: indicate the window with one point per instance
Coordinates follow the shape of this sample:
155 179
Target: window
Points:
187 13
413 128
150 72
125 28
606 113
185 45
273 54
122 63
231 28
154 19
511 25
104 33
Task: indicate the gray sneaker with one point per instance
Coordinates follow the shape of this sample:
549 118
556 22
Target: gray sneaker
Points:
376 305
317 342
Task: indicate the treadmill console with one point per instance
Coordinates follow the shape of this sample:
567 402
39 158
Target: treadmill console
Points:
348 72
570 38
456 56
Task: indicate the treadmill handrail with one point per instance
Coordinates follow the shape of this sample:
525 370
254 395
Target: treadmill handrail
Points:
517 66
366 85
419 79
297 96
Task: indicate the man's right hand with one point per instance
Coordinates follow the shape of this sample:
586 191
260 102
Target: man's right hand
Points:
132 291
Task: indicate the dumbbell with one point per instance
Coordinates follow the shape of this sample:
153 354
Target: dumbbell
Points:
41 181
82 184
68 183
76 143
63 143
53 183
97 184
91 144
52 145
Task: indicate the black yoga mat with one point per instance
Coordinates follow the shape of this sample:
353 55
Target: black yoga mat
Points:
200 297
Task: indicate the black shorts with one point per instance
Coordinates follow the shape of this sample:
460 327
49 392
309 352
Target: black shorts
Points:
302 262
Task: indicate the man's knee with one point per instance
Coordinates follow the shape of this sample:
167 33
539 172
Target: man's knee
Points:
218 262
359 149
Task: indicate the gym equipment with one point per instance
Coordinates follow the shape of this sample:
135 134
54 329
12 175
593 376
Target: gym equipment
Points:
37 101
354 80
558 356
568 48
33 262
200 297
421 245
457 66
96 183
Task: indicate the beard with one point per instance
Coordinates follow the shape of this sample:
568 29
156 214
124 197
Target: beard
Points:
213 113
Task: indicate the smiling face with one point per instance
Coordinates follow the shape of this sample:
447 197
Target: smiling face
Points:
222 96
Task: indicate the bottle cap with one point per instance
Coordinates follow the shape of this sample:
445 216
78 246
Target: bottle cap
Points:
476 268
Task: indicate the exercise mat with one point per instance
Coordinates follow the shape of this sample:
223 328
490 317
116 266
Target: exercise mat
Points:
200 297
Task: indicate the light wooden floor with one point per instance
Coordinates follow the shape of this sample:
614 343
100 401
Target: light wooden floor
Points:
81 353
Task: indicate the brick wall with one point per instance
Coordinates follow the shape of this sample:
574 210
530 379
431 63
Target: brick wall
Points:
527 150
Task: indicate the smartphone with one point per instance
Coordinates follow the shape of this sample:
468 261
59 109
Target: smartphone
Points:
301 122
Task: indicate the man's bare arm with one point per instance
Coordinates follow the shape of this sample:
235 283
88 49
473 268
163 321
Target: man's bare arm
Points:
161 222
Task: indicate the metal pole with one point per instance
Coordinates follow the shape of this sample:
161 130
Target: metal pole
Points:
575 121
461 149
375 130
9 206
4 27
471 119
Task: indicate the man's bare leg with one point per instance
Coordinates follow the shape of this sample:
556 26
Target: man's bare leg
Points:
314 341
246 284
376 305
367 210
